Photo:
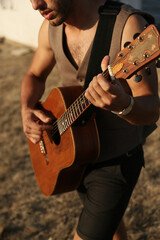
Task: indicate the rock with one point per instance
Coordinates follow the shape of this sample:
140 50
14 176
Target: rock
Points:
2 39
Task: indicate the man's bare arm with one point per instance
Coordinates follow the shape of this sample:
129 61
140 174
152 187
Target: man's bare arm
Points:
145 93
33 85
115 97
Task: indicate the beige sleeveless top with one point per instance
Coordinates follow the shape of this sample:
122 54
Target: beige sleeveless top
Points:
116 135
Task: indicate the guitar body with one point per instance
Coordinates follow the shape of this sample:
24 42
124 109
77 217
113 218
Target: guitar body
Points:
61 167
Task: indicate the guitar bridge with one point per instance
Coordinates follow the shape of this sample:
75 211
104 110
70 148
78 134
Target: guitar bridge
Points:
42 147
43 150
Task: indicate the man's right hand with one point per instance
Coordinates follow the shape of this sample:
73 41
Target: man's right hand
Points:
34 123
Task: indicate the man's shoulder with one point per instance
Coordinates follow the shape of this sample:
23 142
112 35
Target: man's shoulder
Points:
44 27
43 39
129 10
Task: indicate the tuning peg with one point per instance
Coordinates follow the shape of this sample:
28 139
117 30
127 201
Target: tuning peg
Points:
136 35
138 78
158 63
126 44
146 26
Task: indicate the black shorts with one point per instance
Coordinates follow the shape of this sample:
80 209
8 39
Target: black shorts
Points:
105 191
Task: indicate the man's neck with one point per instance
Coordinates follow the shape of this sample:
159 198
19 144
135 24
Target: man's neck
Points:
83 14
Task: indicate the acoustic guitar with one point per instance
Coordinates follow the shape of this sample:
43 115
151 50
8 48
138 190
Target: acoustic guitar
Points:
60 158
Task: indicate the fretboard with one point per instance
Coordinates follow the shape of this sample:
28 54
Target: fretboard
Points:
73 113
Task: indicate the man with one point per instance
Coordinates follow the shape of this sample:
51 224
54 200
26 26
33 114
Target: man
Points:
122 107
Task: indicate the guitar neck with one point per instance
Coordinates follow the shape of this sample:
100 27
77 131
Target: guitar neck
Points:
73 113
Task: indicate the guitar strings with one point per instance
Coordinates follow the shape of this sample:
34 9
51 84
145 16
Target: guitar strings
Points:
70 112
70 109
74 106
81 97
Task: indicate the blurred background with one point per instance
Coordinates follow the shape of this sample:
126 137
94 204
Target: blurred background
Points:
14 14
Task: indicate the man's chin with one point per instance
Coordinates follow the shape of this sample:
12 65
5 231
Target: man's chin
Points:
57 21
53 23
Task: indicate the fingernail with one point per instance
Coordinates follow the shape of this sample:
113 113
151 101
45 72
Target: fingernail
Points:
48 119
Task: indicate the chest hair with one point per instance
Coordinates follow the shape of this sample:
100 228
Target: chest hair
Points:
78 44
78 50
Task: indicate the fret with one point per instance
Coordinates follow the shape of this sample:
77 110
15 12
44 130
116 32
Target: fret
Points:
74 114
69 119
85 103
79 109
79 106
81 102
65 120
71 116
59 127
67 123
61 124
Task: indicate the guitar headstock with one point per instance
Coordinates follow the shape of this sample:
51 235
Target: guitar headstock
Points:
144 49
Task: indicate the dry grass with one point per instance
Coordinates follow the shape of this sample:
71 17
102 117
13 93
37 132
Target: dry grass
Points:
24 212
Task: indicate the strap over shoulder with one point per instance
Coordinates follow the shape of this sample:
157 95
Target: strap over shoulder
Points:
101 45
114 7
110 7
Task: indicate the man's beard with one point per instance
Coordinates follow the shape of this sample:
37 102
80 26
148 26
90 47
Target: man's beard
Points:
58 20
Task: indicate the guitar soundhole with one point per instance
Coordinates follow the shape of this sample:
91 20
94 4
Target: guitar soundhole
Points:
56 138
54 134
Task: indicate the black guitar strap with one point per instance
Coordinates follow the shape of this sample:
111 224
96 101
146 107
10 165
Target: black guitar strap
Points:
102 41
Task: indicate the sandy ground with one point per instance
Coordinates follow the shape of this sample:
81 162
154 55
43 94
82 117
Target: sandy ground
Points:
27 214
